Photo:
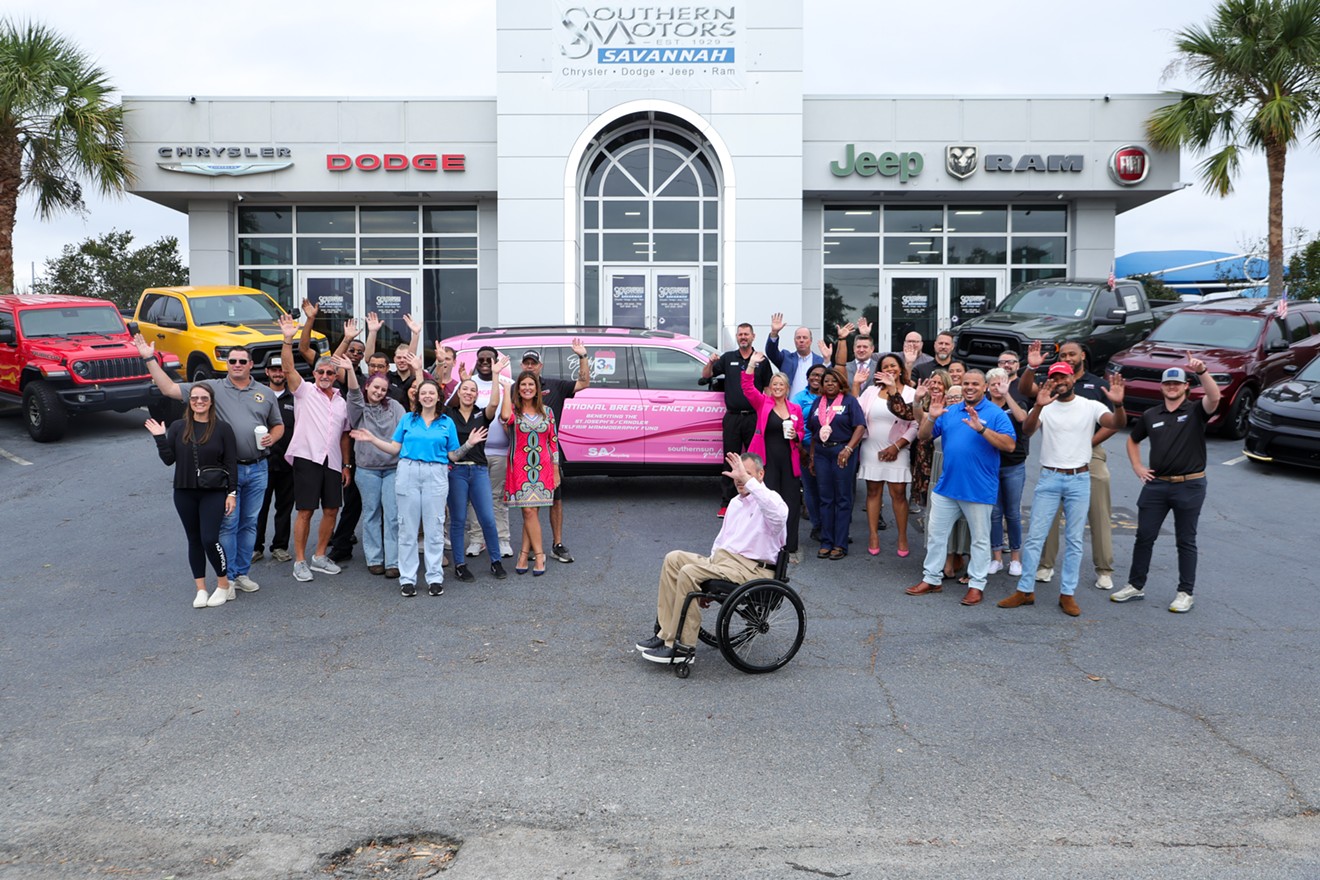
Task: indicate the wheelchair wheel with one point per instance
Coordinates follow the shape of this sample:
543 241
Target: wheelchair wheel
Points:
760 626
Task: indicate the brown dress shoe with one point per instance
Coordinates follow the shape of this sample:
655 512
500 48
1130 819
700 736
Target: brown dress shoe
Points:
923 588
973 597
1069 606
1018 598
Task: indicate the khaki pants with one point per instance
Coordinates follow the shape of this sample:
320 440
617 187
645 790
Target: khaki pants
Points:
1102 533
682 573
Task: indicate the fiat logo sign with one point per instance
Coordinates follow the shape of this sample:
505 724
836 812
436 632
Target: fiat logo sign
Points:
1129 165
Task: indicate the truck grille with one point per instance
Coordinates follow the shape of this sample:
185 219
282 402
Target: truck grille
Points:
1149 374
110 369
261 354
985 346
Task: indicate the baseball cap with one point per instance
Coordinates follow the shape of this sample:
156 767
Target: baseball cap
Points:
1174 374
275 362
532 355
1060 369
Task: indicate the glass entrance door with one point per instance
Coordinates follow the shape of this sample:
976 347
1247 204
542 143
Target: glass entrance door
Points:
654 298
970 295
913 302
341 294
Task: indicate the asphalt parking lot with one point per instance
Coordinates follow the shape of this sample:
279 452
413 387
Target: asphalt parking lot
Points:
911 737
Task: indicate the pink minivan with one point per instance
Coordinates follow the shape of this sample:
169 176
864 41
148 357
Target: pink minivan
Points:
646 410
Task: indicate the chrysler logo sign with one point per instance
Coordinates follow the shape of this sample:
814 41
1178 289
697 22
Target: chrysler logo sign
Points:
218 161
1129 165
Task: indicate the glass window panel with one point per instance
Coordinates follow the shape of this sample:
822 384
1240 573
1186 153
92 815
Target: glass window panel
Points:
980 249
914 305
625 215
596 175
914 219
277 282
334 221
450 218
591 295
396 221
327 251
1022 276
852 218
389 251
638 164
265 251
706 174
684 185
665 164
851 294
451 302
913 249
591 247
971 297
1040 218
978 218
618 184
851 249
710 304
676 215
264 220
669 369
711 247
627 247
458 250
671 247
591 214
710 214
1040 249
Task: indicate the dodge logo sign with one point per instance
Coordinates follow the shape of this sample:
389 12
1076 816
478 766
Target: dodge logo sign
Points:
1129 165
960 162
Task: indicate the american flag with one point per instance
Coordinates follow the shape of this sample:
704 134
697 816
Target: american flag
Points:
1112 280
1283 304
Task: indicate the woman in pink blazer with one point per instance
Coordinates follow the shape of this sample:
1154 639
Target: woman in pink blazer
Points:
779 426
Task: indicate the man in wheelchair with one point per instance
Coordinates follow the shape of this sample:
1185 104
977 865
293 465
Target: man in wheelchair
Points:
754 528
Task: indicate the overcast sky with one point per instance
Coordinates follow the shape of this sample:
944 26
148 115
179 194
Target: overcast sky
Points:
446 48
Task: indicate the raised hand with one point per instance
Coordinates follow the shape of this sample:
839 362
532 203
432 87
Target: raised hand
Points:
413 326
310 309
1114 392
911 351
884 380
1195 365
755 360
477 435
145 349
973 420
845 330
776 324
350 329
502 363
1034 355
578 348
935 408
342 363
1045 396
463 374
737 471
864 326
826 350
155 427
288 326
418 365
374 323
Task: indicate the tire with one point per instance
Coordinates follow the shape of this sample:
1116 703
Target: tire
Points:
167 410
760 626
1235 425
199 370
44 412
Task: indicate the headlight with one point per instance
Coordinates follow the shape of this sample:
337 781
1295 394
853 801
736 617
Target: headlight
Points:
1261 417
222 352
1222 379
82 368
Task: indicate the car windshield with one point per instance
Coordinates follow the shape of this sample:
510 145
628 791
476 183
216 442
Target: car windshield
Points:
1056 302
1311 373
1205 330
77 321
238 308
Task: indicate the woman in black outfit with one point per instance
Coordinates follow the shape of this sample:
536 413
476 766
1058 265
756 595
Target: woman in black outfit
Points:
193 444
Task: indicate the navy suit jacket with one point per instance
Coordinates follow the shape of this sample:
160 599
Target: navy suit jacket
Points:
787 361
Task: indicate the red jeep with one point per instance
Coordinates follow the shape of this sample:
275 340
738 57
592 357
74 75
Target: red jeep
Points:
69 354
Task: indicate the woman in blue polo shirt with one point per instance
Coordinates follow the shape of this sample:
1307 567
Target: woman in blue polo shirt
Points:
426 441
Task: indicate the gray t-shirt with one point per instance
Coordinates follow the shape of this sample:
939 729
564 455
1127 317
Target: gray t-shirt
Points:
243 409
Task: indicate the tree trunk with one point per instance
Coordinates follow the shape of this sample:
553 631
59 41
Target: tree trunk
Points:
1276 155
11 176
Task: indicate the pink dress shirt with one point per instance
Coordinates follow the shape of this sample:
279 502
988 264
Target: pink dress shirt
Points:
319 421
755 525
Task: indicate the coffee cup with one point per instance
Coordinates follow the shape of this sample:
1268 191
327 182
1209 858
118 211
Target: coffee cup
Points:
789 433
260 431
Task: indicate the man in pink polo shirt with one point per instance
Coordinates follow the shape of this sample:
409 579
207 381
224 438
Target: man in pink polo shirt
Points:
318 453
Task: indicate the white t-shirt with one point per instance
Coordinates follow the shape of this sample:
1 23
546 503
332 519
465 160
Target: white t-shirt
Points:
498 439
799 380
1066 431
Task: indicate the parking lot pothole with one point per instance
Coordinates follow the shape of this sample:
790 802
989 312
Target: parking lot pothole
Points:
397 856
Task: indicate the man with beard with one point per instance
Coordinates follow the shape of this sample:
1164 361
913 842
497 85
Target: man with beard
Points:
1068 422
943 358
1175 480
740 419
279 483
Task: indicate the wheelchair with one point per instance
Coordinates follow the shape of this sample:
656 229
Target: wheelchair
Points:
760 624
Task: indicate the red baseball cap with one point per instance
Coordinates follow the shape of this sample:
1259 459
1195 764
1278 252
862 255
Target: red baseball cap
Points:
1060 369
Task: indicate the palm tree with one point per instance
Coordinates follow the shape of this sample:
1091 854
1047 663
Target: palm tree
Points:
1258 62
57 127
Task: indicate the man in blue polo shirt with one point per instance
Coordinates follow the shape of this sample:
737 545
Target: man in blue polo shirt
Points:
975 432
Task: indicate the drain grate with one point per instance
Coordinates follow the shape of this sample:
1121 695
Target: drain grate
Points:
398 857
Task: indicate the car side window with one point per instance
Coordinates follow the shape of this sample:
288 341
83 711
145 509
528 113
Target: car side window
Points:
1273 334
172 310
152 305
1296 328
554 362
669 369
611 366
7 323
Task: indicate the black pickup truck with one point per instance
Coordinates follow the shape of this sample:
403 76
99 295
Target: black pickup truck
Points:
1058 311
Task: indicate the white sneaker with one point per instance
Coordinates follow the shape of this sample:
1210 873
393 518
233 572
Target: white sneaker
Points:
474 549
245 583
1044 574
231 594
301 572
199 601
1104 582
218 598
1128 592
1182 603
323 565
506 549
996 566
1015 569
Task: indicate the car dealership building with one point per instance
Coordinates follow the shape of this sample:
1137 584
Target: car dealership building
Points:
649 165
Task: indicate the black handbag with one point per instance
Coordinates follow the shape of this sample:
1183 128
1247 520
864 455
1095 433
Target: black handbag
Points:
210 477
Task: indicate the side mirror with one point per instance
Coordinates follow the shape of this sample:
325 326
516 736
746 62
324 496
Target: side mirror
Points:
1111 318
1277 345
7 336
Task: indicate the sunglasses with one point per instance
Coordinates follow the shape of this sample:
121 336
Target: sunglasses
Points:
325 372
485 360
202 399
239 361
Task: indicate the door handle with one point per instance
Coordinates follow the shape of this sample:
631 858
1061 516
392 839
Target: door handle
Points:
664 399
160 335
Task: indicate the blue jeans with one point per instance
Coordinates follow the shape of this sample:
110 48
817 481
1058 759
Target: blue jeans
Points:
1011 481
835 485
380 512
942 513
238 530
1072 492
422 488
471 482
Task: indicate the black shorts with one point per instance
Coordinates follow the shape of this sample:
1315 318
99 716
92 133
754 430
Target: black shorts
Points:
316 486
559 487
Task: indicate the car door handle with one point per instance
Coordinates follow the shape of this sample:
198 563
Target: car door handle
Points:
160 335
661 399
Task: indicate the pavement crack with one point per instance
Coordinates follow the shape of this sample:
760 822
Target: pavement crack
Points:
796 867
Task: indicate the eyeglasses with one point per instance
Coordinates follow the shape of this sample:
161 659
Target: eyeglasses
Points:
325 372
202 399
239 361
1004 361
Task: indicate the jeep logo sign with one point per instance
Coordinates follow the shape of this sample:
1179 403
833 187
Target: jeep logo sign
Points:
904 166
1129 165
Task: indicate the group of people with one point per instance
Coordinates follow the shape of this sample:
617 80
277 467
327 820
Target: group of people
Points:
397 452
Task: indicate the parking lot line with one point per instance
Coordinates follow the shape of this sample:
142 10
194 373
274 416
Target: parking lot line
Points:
1238 460
14 458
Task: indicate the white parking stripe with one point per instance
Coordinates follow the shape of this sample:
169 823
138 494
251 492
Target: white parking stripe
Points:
1238 460
14 458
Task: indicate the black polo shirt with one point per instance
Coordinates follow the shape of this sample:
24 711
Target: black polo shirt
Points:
553 394
1177 438
731 366
464 427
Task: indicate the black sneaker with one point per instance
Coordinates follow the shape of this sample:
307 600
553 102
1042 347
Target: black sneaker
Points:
669 654
497 569
436 589
650 644
463 574
408 590
340 555
560 552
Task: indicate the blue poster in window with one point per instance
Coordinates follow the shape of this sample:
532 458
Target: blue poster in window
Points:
674 303
628 295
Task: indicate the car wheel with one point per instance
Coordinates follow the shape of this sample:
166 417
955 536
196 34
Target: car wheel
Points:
166 411
1235 426
44 412
199 371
